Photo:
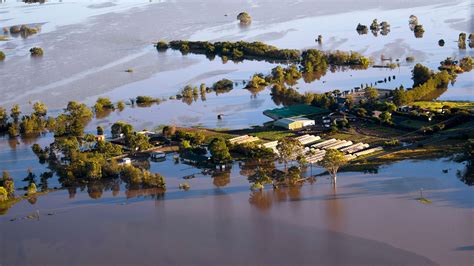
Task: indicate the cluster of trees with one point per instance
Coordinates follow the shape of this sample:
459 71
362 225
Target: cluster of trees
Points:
415 27
32 124
236 50
375 27
466 63
252 151
189 94
341 58
220 153
426 84
257 83
135 142
103 104
140 178
23 30
222 86
71 122
289 75
314 60
74 119
454 66
287 96
189 141
78 157
7 187
147 100
291 150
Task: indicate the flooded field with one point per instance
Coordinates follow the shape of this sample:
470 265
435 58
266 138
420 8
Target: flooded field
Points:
370 219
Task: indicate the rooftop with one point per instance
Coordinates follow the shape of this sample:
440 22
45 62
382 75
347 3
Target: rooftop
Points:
293 111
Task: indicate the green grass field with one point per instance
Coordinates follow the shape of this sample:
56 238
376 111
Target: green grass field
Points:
434 105
294 110
273 135
409 123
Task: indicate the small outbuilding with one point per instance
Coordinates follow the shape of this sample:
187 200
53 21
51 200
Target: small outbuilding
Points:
158 155
294 123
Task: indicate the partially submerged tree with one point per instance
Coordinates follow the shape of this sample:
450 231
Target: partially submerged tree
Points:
332 161
420 74
36 51
260 178
371 94
362 29
289 149
462 41
419 31
219 151
162 46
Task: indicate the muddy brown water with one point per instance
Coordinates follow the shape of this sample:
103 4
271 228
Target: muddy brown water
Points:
369 219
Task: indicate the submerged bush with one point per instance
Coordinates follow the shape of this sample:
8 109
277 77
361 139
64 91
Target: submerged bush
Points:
31 189
223 85
3 194
462 41
466 63
362 29
244 18
375 25
146 100
2 56
36 51
162 46
419 31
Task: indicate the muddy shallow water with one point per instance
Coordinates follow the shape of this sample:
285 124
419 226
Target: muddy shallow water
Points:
369 219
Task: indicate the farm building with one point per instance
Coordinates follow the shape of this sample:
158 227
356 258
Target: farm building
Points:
308 139
294 123
158 155
243 139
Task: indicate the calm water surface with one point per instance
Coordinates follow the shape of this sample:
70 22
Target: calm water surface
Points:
369 219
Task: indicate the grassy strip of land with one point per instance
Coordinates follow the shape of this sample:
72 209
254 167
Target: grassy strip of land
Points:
273 134
437 105
409 123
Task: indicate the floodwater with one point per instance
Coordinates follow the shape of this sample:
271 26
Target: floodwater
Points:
119 35
370 219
